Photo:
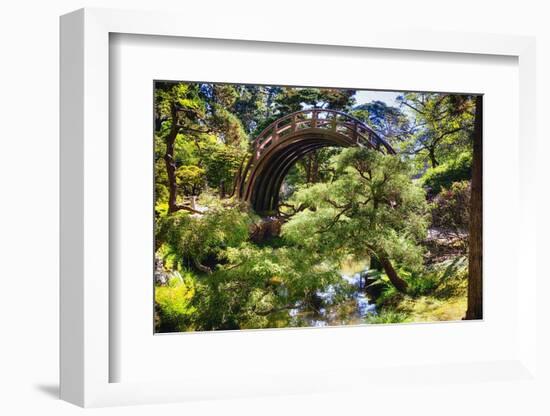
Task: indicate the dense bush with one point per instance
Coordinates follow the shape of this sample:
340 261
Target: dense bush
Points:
443 176
221 165
198 239
386 317
190 179
174 304
419 284
256 283
422 284
371 199
451 209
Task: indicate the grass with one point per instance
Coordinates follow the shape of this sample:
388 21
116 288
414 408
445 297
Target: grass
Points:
431 309
441 296
387 317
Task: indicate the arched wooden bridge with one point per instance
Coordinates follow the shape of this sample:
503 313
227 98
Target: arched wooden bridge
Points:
290 138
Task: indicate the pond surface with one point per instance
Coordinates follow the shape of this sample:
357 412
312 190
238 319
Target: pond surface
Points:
337 307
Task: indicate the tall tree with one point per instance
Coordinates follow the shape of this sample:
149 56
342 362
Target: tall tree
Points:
194 112
443 125
371 209
180 106
475 281
252 106
390 122
294 99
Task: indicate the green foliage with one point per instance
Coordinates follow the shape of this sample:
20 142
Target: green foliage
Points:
221 118
191 120
433 281
443 125
191 179
187 148
255 283
453 269
229 127
313 168
389 122
161 208
292 99
222 163
389 294
280 101
198 239
253 105
371 208
182 94
418 283
451 209
161 195
387 317
422 283
444 175
174 304
351 202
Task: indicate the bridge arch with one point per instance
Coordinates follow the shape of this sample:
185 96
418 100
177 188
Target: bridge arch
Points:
290 138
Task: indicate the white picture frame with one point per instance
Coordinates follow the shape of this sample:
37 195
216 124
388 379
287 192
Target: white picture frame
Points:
85 355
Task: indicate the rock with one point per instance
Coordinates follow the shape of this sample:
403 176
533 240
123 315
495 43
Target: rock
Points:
160 274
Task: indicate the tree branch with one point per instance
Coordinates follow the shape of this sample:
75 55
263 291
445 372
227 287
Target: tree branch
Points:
185 208
414 108
334 221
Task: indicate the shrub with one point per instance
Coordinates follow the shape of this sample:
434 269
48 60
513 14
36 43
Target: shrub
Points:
419 284
451 209
422 284
173 304
389 295
203 238
221 166
453 269
191 179
386 317
444 175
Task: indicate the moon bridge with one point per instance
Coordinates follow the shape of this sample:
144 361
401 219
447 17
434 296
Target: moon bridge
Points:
289 139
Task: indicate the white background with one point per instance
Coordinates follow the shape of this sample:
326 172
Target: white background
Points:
29 209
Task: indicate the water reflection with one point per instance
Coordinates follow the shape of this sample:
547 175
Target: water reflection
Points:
344 303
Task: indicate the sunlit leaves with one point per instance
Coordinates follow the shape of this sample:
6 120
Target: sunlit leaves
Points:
443 126
191 179
372 207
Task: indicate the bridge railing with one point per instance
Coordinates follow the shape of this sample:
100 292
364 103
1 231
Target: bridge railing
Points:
336 121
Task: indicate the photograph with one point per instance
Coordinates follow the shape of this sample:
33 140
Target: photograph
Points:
296 206
301 208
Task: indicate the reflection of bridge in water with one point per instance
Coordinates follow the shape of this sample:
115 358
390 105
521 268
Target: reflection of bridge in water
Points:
290 138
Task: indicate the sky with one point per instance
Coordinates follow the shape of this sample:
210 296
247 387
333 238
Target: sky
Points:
366 96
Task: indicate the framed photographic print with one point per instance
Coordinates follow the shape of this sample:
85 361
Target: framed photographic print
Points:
280 207
277 213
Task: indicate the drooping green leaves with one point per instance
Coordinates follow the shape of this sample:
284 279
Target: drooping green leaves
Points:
372 207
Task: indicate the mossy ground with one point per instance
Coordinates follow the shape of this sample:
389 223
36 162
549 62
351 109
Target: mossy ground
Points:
447 303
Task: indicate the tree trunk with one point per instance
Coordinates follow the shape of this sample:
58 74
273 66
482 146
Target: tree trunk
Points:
475 282
171 164
315 168
308 168
399 283
201 267
375 263
433 160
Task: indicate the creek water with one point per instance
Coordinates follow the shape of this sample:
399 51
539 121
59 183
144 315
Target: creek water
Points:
337 307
